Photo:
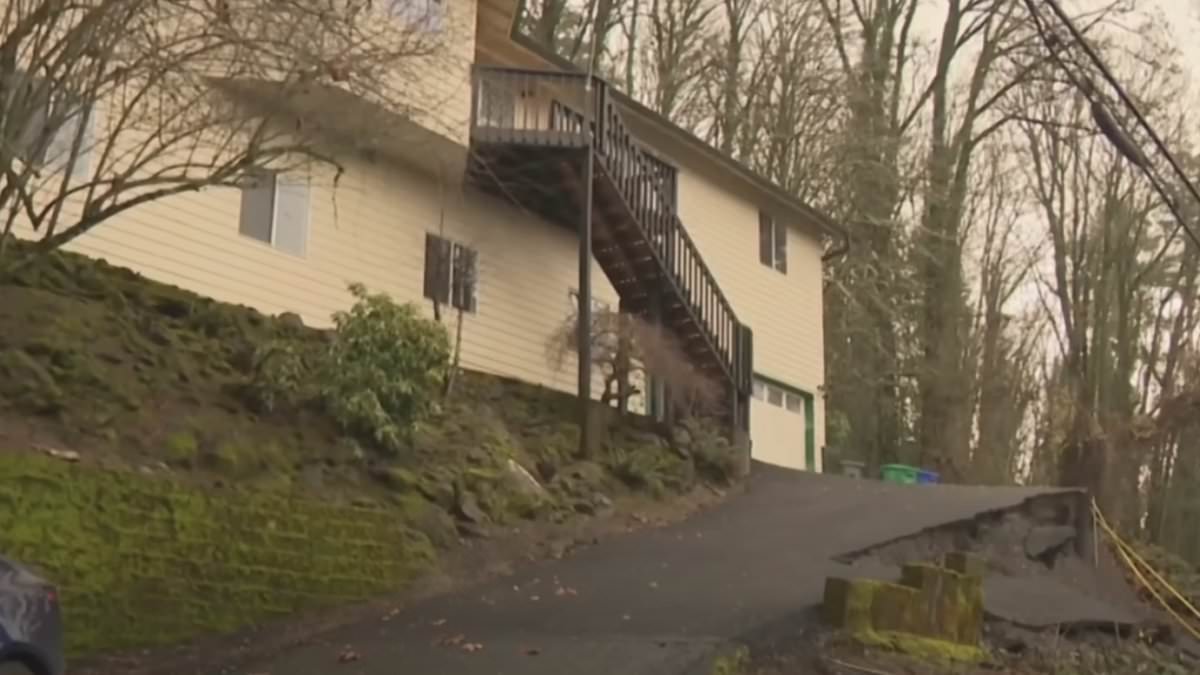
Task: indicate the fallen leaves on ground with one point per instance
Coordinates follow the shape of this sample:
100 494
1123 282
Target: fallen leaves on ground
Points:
531 651
438 622
459 640
348 655
452 641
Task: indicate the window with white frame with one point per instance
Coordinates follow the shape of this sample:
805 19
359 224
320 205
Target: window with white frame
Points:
424 15
55 126
451 273
780 397
794 402
275 211
772 243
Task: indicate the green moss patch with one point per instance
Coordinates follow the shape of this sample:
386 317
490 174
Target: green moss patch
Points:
164 562
923 648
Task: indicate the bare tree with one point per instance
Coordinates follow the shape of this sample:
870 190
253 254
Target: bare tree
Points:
676 40
869 291
111 104
1108 257
1004 343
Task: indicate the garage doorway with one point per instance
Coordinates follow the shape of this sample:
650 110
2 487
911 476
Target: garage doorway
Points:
783 425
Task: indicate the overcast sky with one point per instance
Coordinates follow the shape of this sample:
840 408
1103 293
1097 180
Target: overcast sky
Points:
1184 18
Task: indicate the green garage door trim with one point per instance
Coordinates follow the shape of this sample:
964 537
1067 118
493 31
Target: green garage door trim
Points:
810 418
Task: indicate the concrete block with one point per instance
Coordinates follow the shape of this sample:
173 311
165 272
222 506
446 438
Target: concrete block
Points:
930 601
847 603
951 603
896 607
965 563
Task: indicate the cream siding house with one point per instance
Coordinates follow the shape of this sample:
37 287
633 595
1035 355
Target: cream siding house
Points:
708 242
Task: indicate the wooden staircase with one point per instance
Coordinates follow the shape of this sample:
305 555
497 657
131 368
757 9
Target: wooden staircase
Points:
530 144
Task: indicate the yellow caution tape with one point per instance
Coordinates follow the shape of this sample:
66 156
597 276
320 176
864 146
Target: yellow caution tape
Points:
1183 600
1135 563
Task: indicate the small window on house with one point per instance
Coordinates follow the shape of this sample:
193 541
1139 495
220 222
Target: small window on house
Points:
57 126
760 390
772 243
451 273
425 15
775 396
795 403
275 211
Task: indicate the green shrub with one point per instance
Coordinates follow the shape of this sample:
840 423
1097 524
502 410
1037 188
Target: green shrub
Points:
716 459
279 376
385 368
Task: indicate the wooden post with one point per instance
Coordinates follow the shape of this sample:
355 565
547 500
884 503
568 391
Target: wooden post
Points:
585 301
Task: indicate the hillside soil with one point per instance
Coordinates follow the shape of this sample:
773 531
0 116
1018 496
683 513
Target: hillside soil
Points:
102 367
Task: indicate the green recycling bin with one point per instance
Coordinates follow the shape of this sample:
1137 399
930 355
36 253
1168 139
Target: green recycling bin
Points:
902 474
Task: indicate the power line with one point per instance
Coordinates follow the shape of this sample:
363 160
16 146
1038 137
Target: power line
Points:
1108 124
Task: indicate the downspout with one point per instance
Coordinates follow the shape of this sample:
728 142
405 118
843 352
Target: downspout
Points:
840 250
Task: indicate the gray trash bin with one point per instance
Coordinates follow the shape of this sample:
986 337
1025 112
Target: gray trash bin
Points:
852 468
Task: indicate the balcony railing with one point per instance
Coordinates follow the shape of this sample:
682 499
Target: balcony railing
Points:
559 109
529 107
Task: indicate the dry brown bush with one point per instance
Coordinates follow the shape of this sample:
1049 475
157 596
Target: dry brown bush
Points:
630 349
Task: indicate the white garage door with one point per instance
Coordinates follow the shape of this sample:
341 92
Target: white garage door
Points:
781 426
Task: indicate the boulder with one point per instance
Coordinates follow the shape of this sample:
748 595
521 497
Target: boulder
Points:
438 486
467 508
520 481
291 321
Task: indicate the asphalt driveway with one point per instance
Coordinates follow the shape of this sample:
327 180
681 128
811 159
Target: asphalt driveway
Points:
654 601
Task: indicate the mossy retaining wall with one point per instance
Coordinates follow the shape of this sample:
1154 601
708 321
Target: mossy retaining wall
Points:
142 561
931 601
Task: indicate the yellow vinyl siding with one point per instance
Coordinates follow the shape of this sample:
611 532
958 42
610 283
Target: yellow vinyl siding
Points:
438 85
783 310
370 228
